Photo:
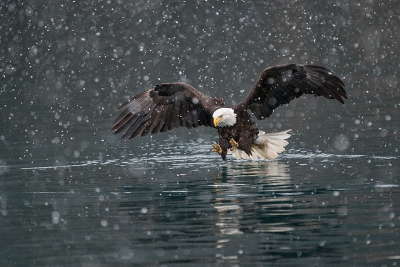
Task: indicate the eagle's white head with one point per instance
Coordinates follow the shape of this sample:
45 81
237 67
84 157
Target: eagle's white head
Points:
224 117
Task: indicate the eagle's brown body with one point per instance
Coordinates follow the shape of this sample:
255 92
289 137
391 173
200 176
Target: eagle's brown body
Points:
244 132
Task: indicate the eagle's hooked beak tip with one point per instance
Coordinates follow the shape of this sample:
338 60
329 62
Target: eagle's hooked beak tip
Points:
216 121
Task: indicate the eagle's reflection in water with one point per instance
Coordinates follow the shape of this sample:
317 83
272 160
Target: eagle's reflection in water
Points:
262 189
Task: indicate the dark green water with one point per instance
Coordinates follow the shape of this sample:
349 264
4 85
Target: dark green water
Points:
184 207
74 194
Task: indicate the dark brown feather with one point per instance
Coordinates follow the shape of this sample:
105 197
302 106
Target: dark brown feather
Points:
163 108
281 84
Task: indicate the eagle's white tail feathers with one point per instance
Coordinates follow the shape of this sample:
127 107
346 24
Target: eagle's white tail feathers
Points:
266 146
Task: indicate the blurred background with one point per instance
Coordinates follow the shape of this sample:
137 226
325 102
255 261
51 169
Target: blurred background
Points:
66 66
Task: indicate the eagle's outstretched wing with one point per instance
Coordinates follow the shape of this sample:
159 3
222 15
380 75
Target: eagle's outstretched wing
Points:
165 107
279 85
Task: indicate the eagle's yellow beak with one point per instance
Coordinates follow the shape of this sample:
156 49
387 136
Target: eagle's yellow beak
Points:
216 121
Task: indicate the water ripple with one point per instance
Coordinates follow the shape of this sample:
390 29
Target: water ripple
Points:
195 155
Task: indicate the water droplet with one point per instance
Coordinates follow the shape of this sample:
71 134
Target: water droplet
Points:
55 217
341 143
144 210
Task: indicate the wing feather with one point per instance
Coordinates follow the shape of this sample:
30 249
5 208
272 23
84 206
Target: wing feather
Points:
158 122
132 128
279 85
163 108
167 118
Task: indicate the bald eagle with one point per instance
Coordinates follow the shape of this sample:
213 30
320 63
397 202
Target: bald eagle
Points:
172 105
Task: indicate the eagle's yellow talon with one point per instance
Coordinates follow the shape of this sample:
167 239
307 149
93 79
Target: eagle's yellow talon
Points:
216 148
234 144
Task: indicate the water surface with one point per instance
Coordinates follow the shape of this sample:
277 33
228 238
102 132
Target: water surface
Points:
187 208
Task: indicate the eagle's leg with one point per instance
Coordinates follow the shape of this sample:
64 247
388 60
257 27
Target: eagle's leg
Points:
216 148
234 144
